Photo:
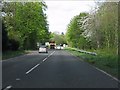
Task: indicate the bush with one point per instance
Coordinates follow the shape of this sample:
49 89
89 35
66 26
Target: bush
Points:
4 38
13 44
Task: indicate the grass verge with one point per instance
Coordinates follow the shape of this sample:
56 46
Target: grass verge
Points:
11 54
104 60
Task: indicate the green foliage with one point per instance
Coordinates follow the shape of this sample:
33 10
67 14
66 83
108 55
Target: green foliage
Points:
26 22
58 38
96 30
11 54
4 38
102 26
13 44
74 32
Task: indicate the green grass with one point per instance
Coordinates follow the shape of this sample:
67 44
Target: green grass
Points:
106 61
11 54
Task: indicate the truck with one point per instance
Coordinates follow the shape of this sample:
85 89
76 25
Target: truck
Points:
52 44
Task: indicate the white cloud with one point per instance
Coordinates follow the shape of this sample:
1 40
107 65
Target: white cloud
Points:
60 12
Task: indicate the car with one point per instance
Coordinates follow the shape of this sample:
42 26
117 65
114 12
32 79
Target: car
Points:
58 47
43 48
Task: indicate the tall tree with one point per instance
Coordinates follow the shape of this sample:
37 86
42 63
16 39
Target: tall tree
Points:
98 29
75 30
58 38
26 22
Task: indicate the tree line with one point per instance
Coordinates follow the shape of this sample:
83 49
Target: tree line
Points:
58 37
23 25
95 30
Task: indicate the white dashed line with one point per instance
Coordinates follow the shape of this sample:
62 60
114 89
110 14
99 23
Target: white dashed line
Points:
17 79
32 68
51 54
7 88
39 63
44 59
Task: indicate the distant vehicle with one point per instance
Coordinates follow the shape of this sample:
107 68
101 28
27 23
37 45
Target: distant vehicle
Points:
58 47
52 44
43 48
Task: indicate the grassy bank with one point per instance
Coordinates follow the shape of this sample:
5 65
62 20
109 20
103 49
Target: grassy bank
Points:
103 60
11 54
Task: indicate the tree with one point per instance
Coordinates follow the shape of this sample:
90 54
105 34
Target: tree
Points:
4 38
102 26
26 22
74 31
58 38
98 29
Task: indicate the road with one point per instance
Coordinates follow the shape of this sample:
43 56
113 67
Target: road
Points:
55 69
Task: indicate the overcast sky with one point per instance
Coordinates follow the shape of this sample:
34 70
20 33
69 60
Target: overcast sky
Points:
59 13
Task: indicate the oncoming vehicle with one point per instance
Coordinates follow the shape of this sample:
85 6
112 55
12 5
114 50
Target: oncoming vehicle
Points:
58 47
43 48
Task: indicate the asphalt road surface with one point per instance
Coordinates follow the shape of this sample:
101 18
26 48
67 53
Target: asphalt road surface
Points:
55 69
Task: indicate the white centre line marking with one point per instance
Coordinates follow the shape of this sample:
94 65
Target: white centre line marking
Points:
39 63
17 79
32 68
7 88
44 59
51 53
49 56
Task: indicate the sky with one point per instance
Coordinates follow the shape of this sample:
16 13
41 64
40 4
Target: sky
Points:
59 13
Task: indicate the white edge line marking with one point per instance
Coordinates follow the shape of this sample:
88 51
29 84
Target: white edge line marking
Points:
39 63
100 70
32 68
107 74
7 88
